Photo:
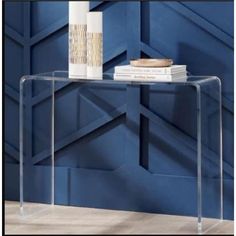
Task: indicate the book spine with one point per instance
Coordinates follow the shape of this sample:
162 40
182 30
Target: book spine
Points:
143 70
142 77
156 71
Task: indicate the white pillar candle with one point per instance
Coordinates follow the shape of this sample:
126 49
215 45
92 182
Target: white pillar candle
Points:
77 39
94 45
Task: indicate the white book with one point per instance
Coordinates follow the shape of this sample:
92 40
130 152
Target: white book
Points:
148 77
127 69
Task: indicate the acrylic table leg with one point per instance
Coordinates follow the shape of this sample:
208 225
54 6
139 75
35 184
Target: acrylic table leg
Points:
199 161
52 144
220 151
21 136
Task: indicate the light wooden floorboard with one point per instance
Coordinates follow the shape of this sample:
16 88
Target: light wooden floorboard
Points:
46 219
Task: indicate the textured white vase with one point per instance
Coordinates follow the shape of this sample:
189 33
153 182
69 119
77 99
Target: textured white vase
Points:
94 45
78 39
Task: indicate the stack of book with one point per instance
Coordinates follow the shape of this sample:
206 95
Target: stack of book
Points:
149 74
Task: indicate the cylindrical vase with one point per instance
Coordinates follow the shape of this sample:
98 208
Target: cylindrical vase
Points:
78 39
94 45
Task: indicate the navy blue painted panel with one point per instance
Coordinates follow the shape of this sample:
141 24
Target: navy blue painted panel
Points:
13 59
44 14
17 22
41 131
228 137
12 126
121 59
11 182
167 152
228 199
62 180
222 12
114 20
179 38
87 152
66 123
37 184
10 159
51 48
126 185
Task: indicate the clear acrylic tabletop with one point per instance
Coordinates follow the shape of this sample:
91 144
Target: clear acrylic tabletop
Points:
62 76
208 95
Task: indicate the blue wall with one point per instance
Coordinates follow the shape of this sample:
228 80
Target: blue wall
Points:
199 34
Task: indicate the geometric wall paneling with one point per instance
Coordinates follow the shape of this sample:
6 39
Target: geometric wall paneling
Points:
15 9
228 198
165 132
169 101
9 159
169 143
67 122
126 185
11 93
164 16
222 9
11 190
70 98
13 59
92 115
37 184
201 22
108 186
99 95
216 35
45 14
121 59
91 150
228 136
11 127
41 126
126 188
114 19
52 47
161 159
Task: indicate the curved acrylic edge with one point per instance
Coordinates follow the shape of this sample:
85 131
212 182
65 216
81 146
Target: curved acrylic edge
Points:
221 151
197 85
25 78
62 76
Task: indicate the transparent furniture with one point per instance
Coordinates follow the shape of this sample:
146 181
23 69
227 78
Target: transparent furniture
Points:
205 92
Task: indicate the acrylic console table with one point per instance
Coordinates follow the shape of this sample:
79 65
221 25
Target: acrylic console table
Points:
205 94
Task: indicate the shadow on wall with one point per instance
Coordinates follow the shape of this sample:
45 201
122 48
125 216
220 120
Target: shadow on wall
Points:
199 62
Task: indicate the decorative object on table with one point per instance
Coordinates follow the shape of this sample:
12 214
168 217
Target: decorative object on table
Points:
78 39
149 74
143 62
94 45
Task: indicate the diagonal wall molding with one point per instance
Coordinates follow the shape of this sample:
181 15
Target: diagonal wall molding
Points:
104 120
42 35
202 23
12 93
151 51
12 151
181 139
11 33
58 25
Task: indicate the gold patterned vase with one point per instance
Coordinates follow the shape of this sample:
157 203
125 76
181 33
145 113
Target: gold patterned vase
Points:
78 39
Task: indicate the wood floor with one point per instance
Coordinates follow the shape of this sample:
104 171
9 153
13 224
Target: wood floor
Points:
46 219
